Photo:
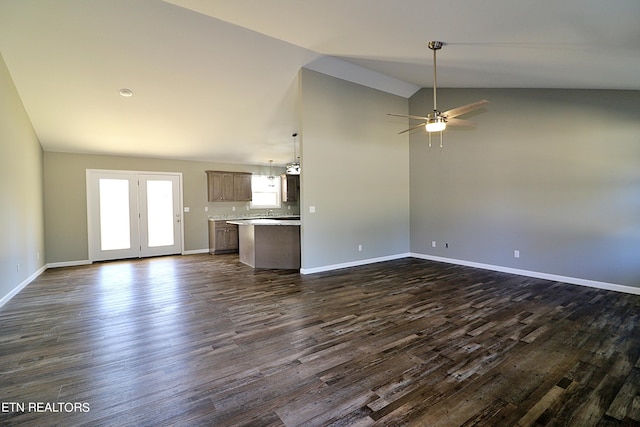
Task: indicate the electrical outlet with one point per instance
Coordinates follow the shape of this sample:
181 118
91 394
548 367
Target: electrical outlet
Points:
18 268
312 209
233 208
433 243
516 254
187 209
359 248
206 208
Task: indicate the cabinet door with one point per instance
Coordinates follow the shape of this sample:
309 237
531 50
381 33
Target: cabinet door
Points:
231 238
221 239
227 187
214 186
242 187
290 188
220 186
212 237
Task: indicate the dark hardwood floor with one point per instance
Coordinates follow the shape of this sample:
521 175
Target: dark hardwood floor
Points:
205 340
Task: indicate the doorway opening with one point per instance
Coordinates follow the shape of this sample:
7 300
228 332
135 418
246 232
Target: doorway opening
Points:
133 214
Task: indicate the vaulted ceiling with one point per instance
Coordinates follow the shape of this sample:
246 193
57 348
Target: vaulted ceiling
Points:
217 80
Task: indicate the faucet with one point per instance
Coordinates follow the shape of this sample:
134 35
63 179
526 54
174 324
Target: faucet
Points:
269 212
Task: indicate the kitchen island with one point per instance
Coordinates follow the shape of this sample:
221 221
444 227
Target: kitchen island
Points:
269 243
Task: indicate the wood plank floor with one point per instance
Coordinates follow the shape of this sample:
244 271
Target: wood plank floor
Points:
204 340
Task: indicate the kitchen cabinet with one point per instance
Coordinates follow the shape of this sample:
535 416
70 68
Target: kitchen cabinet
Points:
223 237
290 186
242 187
228 186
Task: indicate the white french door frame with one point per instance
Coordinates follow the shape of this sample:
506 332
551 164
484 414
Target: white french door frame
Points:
137 200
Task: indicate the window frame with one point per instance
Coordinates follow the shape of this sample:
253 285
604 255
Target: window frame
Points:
259 186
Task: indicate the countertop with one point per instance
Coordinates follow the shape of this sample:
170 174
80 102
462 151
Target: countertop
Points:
264 221
247 217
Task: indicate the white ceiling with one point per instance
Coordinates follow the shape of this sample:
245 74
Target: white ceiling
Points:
216 80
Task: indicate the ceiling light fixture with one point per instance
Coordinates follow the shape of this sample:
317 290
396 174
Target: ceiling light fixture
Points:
293 168
127 93
437 120
435 124
272 179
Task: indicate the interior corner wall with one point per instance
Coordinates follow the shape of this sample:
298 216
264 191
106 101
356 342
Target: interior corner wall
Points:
354 174
21 193
553 174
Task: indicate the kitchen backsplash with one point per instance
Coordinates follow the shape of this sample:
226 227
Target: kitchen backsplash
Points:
226 210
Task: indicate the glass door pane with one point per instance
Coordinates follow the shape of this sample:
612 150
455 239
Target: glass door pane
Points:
115 232
160 213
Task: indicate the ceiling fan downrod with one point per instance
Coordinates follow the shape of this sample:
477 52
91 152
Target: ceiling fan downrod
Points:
434 46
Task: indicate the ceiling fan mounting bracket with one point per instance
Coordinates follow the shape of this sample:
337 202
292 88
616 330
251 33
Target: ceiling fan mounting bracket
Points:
435 45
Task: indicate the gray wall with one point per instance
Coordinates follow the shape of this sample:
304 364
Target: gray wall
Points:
66 198
21 191
554 174
354 171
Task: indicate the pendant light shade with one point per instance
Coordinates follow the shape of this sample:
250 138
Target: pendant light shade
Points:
293 168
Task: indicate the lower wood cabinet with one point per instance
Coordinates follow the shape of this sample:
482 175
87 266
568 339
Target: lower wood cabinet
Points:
223 237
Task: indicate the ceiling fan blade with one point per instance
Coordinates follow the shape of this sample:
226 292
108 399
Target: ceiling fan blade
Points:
409 116
412 128
454 112
460 122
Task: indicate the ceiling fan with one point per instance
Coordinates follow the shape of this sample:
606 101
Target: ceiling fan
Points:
437 121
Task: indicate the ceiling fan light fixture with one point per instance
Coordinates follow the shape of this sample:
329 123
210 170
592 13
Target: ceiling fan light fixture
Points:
436 124
437 121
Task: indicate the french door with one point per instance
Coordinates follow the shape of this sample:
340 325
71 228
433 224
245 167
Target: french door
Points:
133 214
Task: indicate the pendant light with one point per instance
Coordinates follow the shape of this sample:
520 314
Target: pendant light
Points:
293 168
272 179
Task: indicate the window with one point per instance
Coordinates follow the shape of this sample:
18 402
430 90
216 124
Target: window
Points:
265 192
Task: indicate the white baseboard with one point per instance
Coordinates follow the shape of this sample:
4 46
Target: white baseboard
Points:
196 251
352 264
554 277
536 274
5 299
68 263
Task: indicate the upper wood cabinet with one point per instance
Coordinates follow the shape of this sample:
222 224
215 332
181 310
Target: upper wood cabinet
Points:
242 187
228 186
290 185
